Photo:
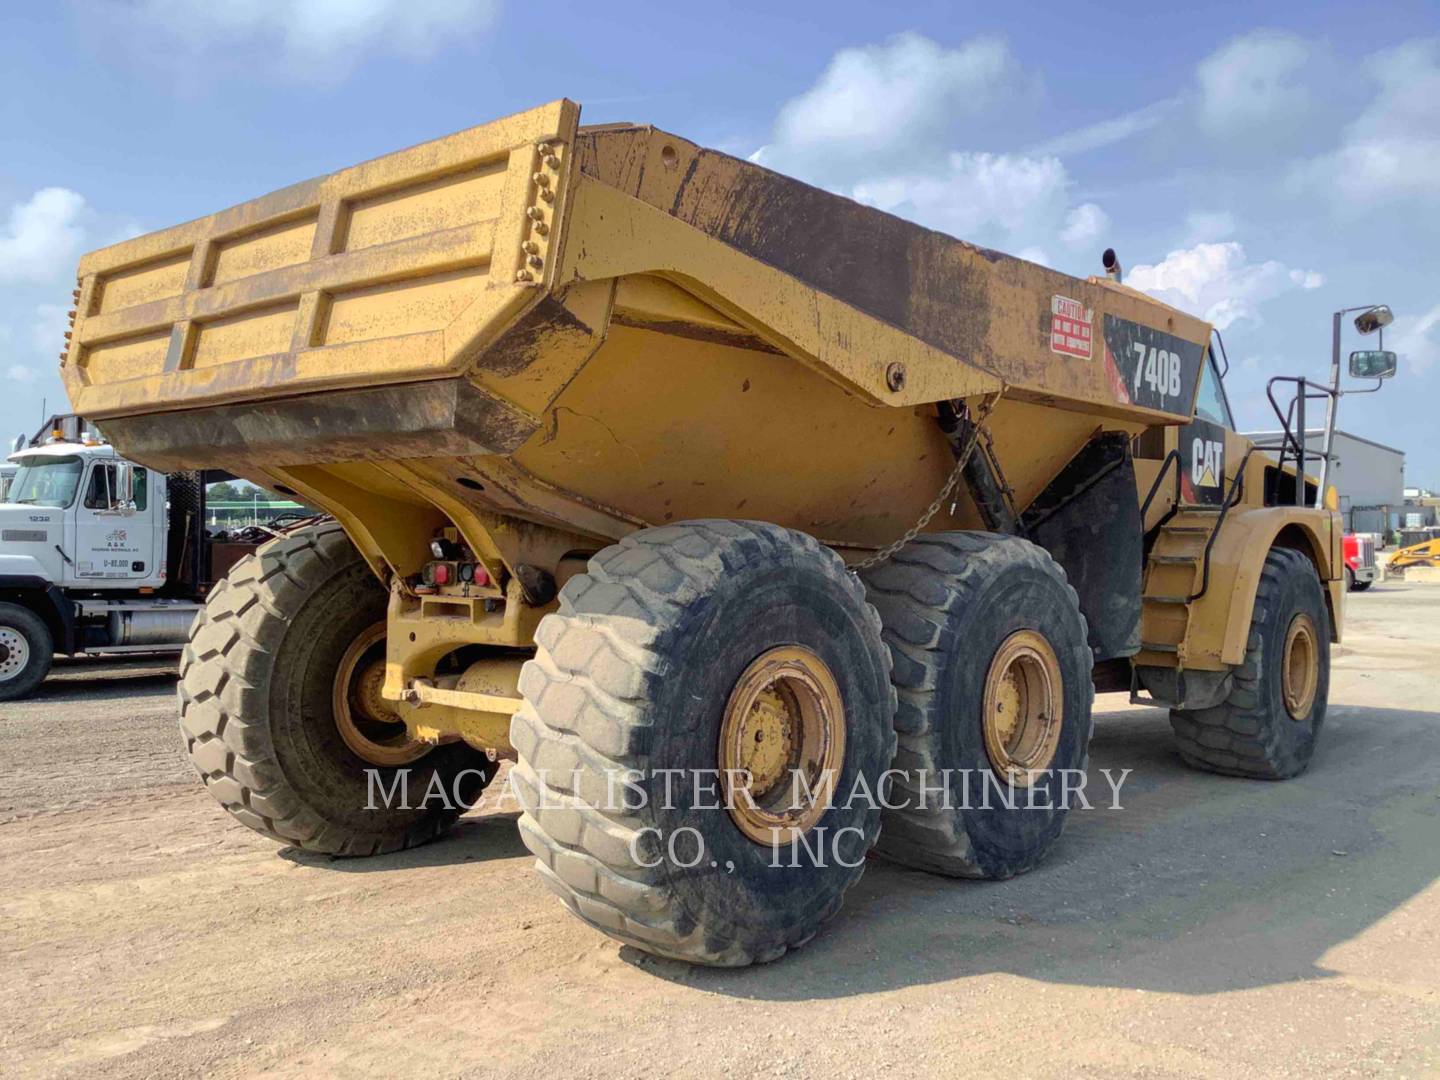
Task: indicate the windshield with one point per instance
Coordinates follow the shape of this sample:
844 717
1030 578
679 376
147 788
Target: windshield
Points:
49 481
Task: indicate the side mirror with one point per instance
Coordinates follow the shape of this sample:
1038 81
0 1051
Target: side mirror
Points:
1373 364
123 497
1367 322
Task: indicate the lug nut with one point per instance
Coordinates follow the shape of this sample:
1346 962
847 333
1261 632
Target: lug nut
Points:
520 275
534 213
536 261
541 179
531 246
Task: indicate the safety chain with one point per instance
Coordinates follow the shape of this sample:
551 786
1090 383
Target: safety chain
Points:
888 551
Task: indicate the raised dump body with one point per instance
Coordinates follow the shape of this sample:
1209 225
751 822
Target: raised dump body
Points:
494 355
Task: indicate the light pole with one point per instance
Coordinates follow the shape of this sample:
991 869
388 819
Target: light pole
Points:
1374 317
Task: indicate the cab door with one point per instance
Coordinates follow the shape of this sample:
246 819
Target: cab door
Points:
115 537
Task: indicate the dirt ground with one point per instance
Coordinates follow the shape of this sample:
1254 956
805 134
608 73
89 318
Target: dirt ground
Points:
1213 927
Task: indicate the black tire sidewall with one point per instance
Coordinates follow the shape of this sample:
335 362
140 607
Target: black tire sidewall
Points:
40 643
329 777
1297 591
1007 839
770 602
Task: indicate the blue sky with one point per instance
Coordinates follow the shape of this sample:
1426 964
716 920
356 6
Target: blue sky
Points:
1259 164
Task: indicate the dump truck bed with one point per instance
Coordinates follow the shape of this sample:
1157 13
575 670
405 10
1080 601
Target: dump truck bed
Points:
556 309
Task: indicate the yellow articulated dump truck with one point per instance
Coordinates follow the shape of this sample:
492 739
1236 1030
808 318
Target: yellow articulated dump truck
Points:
757 527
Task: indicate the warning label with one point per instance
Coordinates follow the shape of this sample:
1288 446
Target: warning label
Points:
1071 327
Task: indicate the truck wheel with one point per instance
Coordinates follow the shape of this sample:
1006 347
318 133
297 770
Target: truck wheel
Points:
994 674
1361 586
1350 585
683 652
1268 725
26 651
281 712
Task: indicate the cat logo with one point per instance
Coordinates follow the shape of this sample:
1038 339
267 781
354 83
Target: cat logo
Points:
1207 463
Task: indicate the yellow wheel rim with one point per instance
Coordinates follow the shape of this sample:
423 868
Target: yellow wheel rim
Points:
368 723
782 743
1023 707
1300 670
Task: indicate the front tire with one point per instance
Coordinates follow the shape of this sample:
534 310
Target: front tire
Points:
264 718
26 651
976 623
680 648
1268 726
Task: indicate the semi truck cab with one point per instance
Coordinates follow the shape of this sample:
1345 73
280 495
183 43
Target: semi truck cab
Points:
86 543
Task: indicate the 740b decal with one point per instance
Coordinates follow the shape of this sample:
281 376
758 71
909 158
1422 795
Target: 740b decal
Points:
1151 368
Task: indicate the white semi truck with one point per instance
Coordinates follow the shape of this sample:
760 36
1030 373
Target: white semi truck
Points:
97 554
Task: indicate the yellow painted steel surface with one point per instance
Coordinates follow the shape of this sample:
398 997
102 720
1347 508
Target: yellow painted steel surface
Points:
545 336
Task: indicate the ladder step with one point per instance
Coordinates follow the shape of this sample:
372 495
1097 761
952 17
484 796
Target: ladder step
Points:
1188 529
1176 560
1167 599
1158 646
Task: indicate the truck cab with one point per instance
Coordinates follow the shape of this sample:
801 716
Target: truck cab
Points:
66 520
97 554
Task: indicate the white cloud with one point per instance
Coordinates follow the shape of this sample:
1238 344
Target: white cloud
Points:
885 125
21 374
1392 150
41 240
1107 132
974 193
904 97
329 33
1253 84
1084 225
1219 283
1417 339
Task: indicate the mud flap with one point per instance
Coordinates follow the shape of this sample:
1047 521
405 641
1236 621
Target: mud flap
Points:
1088 519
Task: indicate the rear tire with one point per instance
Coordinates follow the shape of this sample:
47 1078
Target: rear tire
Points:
27 650
258 713
1361 586
1268 726
953 605
639 670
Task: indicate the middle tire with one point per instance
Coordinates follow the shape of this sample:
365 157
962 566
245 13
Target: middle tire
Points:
683 648
994 673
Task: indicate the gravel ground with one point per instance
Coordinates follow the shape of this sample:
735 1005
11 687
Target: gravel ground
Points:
1213 927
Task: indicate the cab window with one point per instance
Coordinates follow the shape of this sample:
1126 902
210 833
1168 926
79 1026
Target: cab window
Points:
102 483
1210 402
46 481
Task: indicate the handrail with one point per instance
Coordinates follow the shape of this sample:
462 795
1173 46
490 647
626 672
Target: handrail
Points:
1304 390
1173 455
1232 498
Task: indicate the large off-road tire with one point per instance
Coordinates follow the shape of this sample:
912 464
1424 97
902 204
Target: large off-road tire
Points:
975 622
26 652
1267 726
653 663
258 707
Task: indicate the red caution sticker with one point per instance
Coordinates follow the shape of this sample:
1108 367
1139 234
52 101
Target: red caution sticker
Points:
1071 327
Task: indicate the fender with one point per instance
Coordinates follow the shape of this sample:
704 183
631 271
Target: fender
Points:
47 600
1220 620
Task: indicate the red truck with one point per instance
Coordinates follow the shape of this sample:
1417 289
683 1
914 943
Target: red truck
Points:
1360 568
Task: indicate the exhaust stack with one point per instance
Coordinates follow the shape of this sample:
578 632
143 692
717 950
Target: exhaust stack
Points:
1111 262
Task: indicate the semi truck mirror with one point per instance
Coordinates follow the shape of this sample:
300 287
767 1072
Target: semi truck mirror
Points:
1367 322
1373 364
122 497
